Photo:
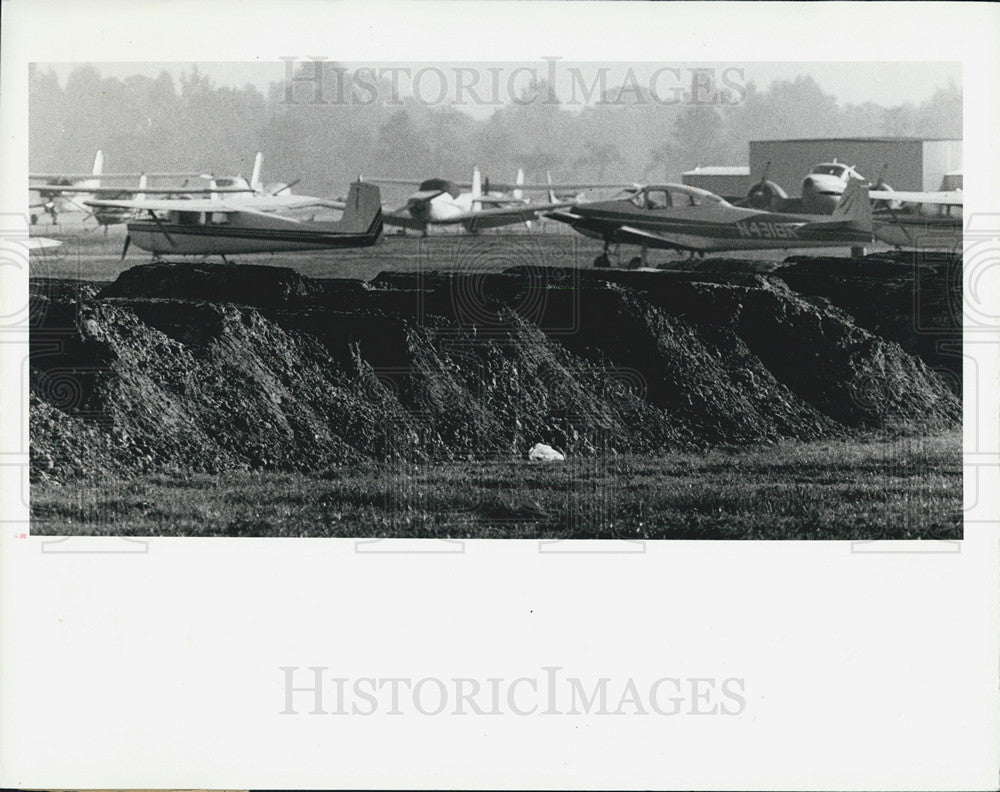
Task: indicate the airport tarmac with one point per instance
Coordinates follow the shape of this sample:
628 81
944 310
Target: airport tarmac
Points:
88 254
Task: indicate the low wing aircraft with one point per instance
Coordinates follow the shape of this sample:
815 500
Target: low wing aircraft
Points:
472 205
204 227
687 219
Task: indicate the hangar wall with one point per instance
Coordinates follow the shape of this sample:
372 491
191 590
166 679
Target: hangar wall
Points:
727 181
907 163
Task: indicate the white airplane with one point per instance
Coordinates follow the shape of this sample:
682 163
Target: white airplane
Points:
67 192
903 222
825 183
441 202
249 223
89 195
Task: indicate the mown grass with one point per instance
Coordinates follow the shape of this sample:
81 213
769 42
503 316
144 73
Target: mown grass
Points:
862 489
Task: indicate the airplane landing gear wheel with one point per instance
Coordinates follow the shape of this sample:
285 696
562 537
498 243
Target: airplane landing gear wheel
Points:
635 262
602 261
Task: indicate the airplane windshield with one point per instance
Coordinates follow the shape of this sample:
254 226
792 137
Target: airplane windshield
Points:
829 170
654 198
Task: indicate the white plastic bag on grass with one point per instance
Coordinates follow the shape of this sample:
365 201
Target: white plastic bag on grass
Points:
544 453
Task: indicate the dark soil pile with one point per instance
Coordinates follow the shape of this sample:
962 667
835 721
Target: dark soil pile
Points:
913 299
206 367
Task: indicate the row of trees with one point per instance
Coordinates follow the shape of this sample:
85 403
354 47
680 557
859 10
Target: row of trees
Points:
145 123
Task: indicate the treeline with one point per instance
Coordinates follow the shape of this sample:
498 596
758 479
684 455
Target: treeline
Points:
143 123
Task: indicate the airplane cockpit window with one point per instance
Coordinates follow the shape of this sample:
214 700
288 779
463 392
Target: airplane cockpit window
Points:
187 218
657 199
654 198
829 170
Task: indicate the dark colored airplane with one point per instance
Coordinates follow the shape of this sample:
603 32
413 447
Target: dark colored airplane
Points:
687 219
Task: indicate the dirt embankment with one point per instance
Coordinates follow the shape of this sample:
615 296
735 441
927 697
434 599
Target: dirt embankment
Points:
913 299
209 367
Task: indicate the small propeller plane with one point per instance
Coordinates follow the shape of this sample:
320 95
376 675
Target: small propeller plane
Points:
68 192
441 202
694 221
902 222
249 224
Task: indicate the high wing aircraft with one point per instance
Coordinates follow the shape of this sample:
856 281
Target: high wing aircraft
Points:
903 223
67 192
238 224
441 202
687 219
277 197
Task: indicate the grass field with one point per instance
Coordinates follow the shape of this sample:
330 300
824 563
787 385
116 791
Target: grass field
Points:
852 489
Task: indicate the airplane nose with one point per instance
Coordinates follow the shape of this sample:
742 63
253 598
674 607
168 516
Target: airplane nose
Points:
822 184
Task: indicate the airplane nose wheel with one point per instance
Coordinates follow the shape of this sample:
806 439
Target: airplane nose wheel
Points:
603 261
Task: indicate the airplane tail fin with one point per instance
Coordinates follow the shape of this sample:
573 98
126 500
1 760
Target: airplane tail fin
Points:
518 192
477 185
95 171
255 183
363 209
855 206
141 196
552 193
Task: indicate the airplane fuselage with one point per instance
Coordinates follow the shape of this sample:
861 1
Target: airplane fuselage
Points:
709 228
211 233
919 230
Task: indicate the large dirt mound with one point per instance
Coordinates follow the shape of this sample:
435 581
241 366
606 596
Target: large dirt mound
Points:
212 367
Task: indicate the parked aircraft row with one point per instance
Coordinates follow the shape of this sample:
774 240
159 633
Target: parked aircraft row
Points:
233 215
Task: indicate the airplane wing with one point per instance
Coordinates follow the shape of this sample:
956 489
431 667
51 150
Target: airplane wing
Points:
638 236
943 198
512 214
117 191
508 187
166 204
102 176
563 186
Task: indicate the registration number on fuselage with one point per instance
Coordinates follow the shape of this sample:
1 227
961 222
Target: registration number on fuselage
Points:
765 230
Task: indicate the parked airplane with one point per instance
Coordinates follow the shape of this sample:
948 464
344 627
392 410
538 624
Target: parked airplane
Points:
682 218
440 202
67 192
277 197
214 226
906 224
821 190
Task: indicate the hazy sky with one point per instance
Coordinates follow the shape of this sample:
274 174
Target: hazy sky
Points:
886 83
